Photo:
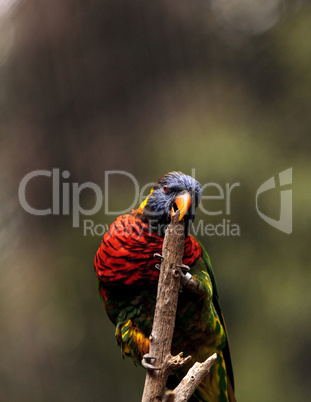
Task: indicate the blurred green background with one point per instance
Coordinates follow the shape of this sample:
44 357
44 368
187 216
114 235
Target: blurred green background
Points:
147 87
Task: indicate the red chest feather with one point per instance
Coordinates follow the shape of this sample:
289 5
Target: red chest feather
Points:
125 255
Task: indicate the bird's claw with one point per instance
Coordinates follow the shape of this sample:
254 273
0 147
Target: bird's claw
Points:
159 256
189 282
185 278
147 363
183 267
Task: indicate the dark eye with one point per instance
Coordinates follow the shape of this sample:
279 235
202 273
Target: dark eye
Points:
165 188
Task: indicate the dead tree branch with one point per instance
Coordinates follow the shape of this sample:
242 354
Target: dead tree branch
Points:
190 382
159 362
165 313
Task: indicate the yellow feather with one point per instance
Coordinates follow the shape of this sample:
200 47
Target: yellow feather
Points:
140 209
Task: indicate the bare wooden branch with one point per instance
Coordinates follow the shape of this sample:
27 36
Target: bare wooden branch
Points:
165 313
159 363
193 378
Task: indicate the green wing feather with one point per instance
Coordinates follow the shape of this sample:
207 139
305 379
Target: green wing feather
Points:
226 350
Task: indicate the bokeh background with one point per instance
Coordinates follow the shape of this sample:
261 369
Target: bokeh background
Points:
147 87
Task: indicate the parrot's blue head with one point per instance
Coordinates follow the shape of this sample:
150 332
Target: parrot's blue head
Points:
174 191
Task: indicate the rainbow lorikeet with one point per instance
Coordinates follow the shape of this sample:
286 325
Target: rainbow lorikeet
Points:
127 271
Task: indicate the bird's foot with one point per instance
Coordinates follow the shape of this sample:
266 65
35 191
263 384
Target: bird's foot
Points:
185 276
189 282
160 257
147 363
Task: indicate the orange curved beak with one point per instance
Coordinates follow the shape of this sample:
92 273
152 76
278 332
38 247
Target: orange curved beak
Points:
183 202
